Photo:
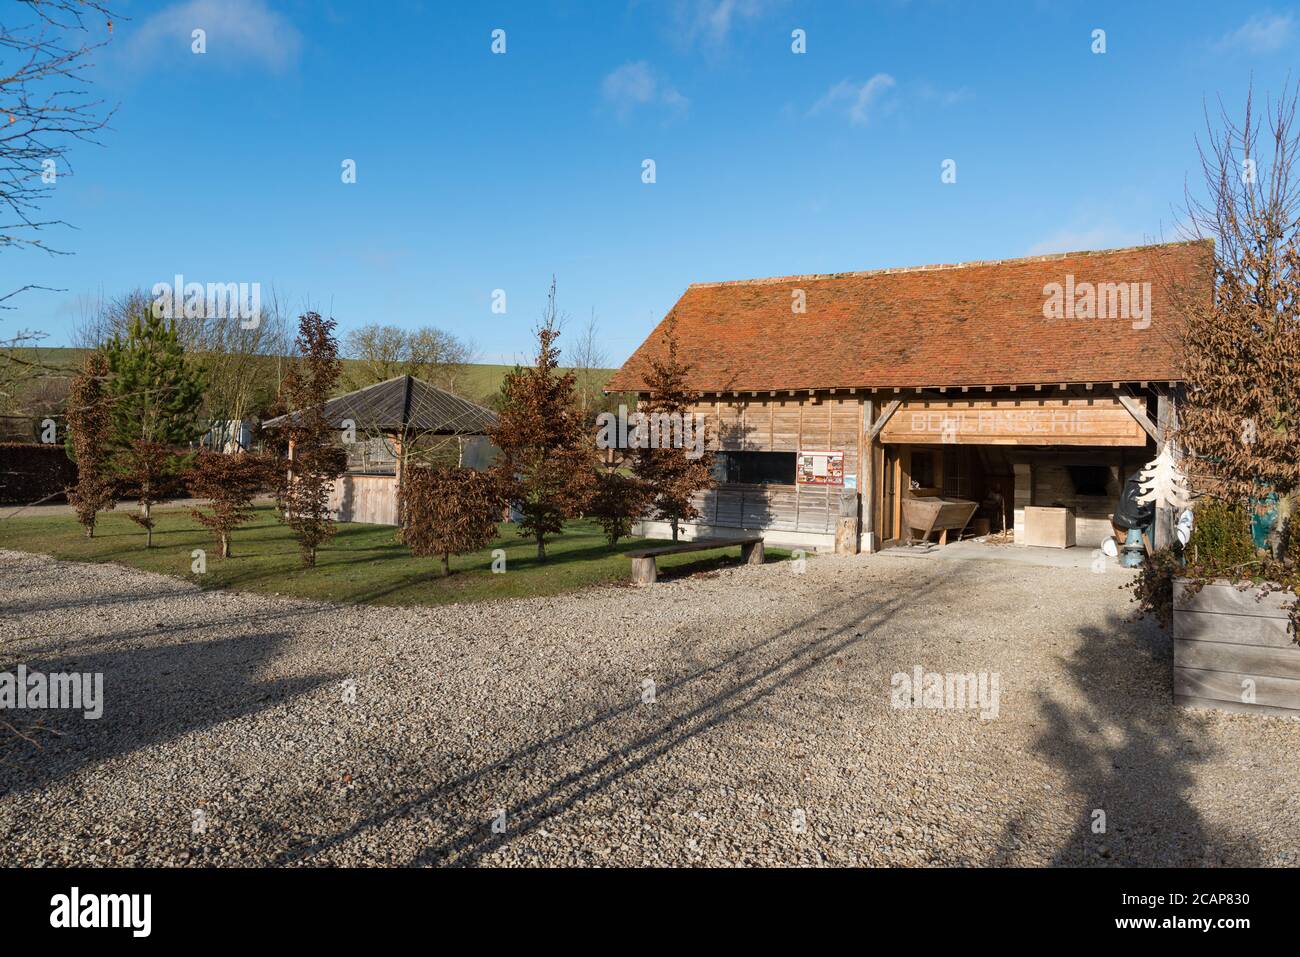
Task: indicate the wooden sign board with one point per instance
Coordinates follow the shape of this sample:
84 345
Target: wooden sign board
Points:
1099 421
820 467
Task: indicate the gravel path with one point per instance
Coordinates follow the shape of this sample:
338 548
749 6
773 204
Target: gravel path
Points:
771 738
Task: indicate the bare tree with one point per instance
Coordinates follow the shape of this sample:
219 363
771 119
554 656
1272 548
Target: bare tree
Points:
44 89
238 355
46 49
588 360
384 352
102 318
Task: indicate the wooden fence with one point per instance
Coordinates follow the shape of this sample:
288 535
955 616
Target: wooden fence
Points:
371 499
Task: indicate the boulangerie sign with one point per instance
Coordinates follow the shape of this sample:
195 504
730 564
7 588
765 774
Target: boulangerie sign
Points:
1094 421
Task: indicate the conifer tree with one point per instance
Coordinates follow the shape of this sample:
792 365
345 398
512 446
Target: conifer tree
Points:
155 393
89 442
156 389
672 474
316 460
546 468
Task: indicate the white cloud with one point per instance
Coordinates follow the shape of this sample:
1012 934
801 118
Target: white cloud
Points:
712 20
856 99
236 30
1262 33
636 84
932 94
1076 239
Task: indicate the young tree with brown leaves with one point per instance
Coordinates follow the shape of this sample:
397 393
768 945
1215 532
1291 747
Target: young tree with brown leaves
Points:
148 466
448 511
315 459
1239 427
1240 424
90 436
546 468
672 473
229 482
618 500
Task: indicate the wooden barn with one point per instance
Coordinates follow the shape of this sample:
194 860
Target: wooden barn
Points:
391 425
850 407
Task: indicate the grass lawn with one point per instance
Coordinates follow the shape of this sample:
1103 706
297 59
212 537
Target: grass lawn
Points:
362 564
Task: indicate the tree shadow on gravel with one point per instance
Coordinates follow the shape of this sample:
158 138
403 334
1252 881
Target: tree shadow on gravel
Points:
622 740
1128 751
151 694
262 616
13 607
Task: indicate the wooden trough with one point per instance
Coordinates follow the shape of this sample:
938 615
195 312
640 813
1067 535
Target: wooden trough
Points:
935 514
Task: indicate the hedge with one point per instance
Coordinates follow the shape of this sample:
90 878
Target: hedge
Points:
30 471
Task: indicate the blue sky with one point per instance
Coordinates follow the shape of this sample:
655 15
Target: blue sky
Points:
478 171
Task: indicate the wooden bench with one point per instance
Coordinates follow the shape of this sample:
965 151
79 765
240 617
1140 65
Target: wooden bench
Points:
644 570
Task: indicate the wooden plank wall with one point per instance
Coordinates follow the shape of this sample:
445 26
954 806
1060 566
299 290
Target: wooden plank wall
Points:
773 424
370 499
1222 637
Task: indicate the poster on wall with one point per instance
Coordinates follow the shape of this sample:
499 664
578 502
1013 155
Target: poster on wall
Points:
820 467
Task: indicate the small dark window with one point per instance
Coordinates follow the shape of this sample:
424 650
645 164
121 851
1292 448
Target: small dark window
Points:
1089 479
923 470
754 468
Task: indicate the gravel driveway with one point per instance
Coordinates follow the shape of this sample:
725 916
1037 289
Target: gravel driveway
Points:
244 729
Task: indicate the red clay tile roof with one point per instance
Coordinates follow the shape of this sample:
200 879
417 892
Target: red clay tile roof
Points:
978 323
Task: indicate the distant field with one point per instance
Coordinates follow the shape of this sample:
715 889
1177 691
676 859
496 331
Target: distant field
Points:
479 380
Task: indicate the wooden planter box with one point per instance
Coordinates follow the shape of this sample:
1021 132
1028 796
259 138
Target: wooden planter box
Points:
1223 640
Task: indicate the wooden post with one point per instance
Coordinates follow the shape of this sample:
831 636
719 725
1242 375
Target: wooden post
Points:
846 528
289 469
644 571
1166 423
397 476
867 456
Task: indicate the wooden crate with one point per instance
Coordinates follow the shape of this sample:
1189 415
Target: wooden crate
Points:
1049 527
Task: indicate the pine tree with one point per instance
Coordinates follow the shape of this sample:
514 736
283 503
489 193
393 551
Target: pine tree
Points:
673 475
156 393
546 468
89 442
156 390
316 460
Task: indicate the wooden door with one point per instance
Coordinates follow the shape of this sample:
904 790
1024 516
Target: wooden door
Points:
889 489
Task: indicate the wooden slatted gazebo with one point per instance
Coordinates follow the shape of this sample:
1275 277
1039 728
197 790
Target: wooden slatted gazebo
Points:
410 417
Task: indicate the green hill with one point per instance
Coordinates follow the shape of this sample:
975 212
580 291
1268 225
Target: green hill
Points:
477 383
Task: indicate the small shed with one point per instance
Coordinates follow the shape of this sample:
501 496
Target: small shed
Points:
387 426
